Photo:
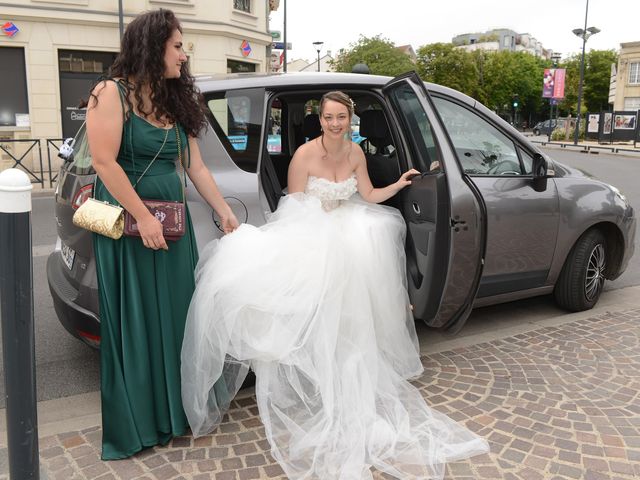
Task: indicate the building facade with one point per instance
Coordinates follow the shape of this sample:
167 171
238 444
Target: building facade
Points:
502 39
300 65
51 51
625 92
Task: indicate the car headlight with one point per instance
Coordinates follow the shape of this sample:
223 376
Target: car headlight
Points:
619 194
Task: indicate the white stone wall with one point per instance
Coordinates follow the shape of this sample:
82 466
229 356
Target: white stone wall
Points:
626 93
211 37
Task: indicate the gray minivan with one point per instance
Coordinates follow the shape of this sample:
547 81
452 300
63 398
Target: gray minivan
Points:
490 219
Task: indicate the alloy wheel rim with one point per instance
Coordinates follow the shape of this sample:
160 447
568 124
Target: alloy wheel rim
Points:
595 272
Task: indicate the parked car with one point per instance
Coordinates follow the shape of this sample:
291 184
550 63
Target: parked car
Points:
548 126
490 219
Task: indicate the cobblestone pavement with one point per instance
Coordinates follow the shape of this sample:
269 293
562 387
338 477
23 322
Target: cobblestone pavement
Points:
555 403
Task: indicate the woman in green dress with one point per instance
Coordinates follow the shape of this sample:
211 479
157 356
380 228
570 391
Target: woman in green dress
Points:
148 116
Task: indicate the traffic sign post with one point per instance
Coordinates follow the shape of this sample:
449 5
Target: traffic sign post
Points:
280 45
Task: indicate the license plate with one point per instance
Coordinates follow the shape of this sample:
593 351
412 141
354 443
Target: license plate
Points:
68 256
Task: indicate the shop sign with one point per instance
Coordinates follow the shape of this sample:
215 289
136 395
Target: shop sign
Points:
10 29
245 47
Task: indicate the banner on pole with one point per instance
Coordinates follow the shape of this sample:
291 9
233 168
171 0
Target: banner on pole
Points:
553 83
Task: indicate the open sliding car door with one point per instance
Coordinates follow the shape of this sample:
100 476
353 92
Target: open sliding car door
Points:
443 210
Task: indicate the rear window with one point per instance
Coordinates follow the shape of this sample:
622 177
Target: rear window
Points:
81 162
236 116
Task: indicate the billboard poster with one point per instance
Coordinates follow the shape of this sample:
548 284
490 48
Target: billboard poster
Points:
593 123
558 82
553 83
607 123
547 83
625 122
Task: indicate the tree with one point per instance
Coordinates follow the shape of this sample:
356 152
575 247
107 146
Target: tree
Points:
381 56
572 78
595 88
508 73
452 67
492 78
597 77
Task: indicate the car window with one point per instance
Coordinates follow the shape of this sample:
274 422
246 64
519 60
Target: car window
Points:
81 161
416 123
236 116
527 162
482 149
274 132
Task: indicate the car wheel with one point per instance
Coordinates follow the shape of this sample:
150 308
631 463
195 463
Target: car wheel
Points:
536 132
580 283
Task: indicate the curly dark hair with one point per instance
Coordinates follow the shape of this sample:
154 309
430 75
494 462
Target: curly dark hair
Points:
141 62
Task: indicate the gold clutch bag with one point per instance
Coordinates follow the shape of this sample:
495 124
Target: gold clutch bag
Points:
100 217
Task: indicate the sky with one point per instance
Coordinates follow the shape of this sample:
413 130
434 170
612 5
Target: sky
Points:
339 23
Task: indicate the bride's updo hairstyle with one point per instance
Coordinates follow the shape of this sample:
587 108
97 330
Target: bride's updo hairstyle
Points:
339 97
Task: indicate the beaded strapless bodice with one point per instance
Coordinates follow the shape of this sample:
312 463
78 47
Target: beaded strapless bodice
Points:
330 193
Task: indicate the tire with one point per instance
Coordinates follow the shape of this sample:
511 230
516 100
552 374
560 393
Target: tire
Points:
582 277
536 132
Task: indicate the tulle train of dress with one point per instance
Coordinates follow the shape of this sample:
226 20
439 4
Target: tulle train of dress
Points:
315 302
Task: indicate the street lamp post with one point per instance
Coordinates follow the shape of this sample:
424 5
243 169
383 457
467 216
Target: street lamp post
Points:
318 46
284 35
120 19
584 34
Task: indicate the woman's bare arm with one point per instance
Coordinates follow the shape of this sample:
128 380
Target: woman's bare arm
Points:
104 131
208 188
365 188
298 170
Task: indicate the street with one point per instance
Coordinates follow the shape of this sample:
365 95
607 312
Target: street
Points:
65 366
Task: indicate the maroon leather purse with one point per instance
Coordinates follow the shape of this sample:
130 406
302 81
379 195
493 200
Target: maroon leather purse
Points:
172 214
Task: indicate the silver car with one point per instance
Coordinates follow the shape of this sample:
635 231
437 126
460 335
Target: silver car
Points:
491 218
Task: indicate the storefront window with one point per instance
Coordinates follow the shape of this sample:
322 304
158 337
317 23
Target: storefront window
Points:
234 66
79 70
14 103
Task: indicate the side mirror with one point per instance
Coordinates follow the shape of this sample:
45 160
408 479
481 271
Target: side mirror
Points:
539 173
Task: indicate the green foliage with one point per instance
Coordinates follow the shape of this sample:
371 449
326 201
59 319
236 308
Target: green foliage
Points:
381 56
595 89
597 77
572 78
452 67
558 134
580 132
490 77
508 73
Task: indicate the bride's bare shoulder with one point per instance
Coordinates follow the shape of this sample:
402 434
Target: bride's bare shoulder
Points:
306 149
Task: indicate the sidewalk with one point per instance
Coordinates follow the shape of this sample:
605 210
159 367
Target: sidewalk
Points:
590 146
557 398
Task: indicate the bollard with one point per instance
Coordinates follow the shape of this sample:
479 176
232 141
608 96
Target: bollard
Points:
16 310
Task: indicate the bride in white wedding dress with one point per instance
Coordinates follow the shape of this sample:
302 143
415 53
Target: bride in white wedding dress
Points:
315 302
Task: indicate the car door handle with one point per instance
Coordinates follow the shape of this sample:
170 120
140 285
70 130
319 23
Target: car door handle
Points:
416 208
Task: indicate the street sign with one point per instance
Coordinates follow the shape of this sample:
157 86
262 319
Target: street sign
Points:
276 34
280 45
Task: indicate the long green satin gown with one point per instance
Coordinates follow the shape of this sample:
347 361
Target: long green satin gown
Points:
144 298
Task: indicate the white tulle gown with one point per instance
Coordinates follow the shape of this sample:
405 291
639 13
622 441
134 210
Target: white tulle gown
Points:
315 302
